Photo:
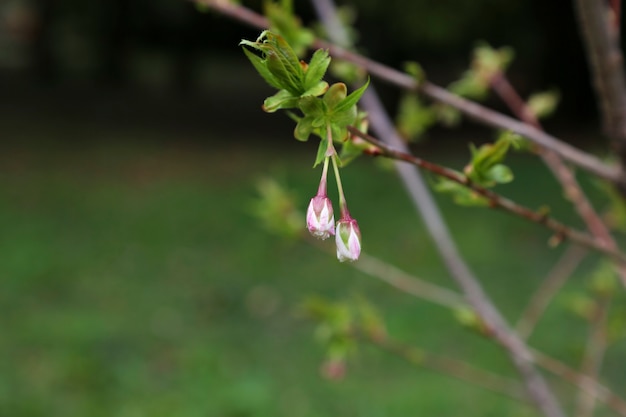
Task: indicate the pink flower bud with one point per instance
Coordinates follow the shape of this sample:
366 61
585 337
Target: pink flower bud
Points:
333 369
348 239
320 219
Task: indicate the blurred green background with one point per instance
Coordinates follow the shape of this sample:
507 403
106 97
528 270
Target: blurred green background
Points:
134 279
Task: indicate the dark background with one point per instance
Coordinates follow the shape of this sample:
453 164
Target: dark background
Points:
119 61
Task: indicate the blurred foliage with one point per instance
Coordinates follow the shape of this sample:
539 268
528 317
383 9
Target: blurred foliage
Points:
135 282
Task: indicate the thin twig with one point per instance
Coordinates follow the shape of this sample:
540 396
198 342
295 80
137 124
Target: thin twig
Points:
607 66
447 366
401 280
596 343
497 201
549 287
594 353
583 382
408 283
473 110
616 15
563 174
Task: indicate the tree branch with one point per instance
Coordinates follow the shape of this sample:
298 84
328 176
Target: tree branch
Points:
607 66
401 280
562 172
447 366
549 287
473 110
582 381
496 200
539 392
594 353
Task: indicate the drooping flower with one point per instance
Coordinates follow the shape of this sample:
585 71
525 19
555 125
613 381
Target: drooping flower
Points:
348 239
320 219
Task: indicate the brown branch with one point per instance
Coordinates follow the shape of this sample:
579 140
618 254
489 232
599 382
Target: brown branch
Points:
549 287
616 15
473 110
496 200
607 66
562 172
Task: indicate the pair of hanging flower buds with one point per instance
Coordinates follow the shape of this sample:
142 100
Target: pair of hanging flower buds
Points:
320 219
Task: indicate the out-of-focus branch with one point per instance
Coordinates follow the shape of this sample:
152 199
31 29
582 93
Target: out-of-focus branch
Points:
408 283
473 110
585 383
447 366
538 390
562 172
401 280
596 343
594 353
607 66
496 200
549 287
616 15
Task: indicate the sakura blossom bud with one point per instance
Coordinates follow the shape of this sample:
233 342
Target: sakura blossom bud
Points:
320 219
333 369
348 239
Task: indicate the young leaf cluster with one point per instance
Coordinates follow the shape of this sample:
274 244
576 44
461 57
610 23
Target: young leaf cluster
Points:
486 169
284 21
486 62
280 67
325 110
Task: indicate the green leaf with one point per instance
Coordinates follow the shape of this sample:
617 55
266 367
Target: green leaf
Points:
413 117
470 85
604 281
461 195
543 104
335 94
415 70
284 64
352 99
344 118
486 158
447 115
580 304
349 151
303 129
321 152
354 146
261 67
312 106
320 121
339 133
316 69
281 100
317 90
287 24
500 174
276 209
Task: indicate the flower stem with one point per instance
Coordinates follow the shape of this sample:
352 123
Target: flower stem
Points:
343 206
322 188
